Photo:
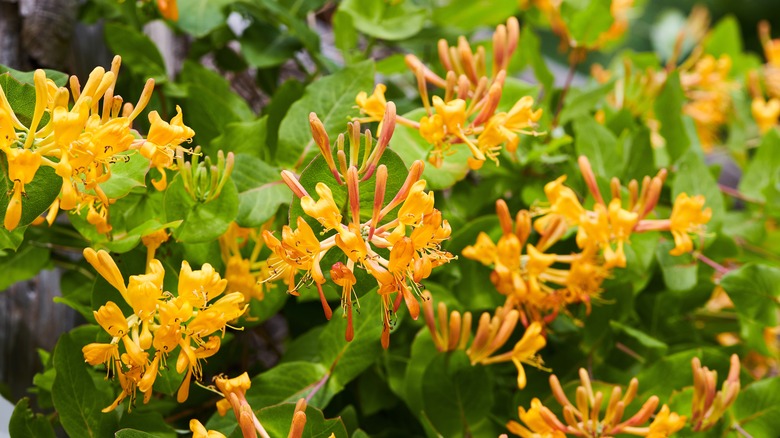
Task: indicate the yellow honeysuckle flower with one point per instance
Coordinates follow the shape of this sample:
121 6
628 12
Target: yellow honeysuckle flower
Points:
525 351
201 286
162 141
432 129
417 205
96 354
483 250
563 200
324 210
200 431
665 424
765 113
535 425
373 106
110 317
688 216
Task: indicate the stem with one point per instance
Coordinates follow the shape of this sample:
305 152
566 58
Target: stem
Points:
712 263
741 431
566 86
739 195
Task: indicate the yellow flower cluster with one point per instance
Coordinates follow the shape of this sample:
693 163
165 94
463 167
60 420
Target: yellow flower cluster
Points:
581 418
467 112
766 111
707 88
81 139
398 249
160 323
244 275
551 9
541 284
493 332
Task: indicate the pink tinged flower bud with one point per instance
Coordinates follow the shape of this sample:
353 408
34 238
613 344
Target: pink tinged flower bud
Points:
293 183
444 54
590 178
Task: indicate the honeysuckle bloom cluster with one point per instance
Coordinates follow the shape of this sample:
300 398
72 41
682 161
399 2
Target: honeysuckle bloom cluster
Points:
765 106
493 332
160 323
584 417
398 245
245 275
466 114
541 284
707 88
81 138
551 9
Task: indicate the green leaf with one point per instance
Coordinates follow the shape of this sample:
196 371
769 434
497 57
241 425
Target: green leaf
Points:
39 193
287 382
653 348
385 20
11 239
133 433
586 20
247 138
127 173
346 36
263 46
332 98
277 419
423 352
348 359
531 54
725 39
76 399
24 423
583 103
286 95
680 273
59 78
763 166
637 151
756 295
202 222
199 17
150 422
138 51
211 104
668 109
600 146
473 14
261 191
694 178
24 264
411 146
456 394
757 409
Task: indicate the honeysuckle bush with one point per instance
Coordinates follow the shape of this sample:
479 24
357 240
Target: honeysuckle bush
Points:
405 238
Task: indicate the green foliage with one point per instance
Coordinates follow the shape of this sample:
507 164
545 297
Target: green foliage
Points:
383 20
333 100
75 397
